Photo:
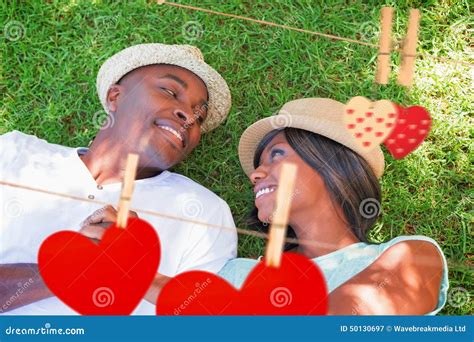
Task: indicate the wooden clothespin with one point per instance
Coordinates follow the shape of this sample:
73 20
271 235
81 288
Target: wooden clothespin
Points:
385 42
278 227
405 75
127 190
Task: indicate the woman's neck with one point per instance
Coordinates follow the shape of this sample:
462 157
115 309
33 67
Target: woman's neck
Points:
324 232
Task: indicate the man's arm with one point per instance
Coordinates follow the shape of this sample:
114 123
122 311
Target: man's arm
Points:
158 282
21 284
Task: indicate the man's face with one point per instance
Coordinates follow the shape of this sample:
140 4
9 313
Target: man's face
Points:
158 111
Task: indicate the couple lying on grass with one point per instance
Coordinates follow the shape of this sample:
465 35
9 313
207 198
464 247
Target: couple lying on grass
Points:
160 99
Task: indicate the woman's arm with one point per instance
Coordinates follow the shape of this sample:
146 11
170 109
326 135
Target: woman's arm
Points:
404 280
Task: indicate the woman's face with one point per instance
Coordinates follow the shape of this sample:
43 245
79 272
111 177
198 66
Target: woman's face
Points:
309 188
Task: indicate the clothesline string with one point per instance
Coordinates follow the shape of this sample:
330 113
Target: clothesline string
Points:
316 33
182 219
150 212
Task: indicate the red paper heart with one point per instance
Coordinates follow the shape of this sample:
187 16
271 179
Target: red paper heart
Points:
105 279
297 287
412 127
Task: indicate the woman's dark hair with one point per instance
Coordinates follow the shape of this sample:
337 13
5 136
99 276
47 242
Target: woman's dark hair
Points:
348 177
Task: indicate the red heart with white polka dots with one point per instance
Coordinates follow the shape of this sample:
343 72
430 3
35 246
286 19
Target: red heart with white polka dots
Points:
369 122
413 126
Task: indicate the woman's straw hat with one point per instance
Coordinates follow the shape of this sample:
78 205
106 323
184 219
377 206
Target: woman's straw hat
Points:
185 56
319 115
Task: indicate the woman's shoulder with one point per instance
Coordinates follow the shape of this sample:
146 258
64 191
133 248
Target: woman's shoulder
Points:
417 253
407 249
419 264
408 274
411 239
420 253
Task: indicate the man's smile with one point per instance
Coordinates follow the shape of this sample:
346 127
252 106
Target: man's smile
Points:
179 135
176 134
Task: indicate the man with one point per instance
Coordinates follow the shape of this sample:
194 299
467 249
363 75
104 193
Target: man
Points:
160 99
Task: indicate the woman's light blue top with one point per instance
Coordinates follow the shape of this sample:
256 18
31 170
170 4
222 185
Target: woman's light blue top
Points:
341 265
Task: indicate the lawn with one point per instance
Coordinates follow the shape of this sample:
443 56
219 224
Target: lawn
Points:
51 53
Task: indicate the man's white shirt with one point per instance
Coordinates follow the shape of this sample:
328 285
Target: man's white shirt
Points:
28 217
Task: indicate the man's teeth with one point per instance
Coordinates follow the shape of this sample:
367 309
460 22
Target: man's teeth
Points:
263 191
169 129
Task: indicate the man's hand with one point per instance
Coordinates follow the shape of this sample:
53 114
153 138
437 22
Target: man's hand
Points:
95 225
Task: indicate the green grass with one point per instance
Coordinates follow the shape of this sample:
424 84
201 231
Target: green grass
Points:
48 89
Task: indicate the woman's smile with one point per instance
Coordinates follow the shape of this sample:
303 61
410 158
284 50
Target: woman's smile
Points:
264 191
264 196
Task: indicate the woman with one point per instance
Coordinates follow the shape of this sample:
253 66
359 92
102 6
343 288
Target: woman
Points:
334 204
332 211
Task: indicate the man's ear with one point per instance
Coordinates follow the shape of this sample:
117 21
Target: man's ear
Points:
113 94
